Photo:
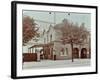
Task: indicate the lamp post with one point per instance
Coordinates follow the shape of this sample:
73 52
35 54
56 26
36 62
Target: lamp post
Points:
54 19
71 41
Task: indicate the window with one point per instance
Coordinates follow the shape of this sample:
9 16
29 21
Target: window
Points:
64 51
50 37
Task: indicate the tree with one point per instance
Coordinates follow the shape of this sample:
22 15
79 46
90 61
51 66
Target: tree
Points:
73 34
29 29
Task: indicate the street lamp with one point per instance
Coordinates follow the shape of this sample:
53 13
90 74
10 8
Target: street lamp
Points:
71 41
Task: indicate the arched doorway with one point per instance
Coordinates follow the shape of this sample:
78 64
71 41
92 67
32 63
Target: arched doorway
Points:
83 53
76 53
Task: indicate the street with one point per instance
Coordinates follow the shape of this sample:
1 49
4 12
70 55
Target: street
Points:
56 63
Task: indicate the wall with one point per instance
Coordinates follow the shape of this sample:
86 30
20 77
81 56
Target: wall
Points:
5 40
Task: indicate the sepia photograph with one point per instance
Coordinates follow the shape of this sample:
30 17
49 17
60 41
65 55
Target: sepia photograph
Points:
56 39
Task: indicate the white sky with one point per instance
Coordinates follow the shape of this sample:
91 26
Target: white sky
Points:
59 16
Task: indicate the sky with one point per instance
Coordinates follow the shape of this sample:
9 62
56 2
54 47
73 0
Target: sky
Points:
45 18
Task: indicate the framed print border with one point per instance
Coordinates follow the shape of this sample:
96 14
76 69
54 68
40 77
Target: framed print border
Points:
14 40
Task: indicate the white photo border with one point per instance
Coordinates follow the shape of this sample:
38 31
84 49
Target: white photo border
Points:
17 71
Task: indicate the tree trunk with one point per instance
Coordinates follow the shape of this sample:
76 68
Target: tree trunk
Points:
72 52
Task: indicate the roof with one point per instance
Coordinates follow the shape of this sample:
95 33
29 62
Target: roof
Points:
41 45
60 25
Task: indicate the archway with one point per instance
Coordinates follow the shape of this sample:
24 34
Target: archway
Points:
83 53
76 53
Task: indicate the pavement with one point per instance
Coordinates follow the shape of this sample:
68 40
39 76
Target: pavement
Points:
56 64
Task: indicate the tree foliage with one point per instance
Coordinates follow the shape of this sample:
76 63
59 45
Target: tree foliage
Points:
29 29
73 34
